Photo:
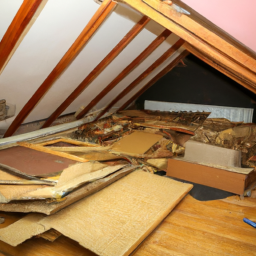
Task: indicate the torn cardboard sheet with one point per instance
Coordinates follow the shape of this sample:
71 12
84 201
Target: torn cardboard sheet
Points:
23 229
117 219
48 208
72 178
137 142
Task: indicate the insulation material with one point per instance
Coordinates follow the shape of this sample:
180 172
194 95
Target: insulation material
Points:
117 219
137 142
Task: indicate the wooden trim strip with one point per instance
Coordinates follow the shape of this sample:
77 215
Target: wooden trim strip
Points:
154 80
147 72
106 7
193 39
126 71
50 151
98 69
15 30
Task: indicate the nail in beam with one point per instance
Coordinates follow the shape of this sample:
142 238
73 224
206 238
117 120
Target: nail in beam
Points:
106 7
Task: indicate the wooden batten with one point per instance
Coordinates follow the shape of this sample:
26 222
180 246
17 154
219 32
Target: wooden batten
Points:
126 72
197 33
16 29
106 7
147 72
97 70
154 80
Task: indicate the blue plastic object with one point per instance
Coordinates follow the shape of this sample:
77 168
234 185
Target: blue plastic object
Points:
253 224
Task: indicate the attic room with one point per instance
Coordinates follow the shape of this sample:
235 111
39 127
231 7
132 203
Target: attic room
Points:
127 127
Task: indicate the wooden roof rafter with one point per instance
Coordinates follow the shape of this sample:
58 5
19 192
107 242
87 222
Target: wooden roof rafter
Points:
202 35
98 18
162 73
14 32
136 29
146 73
163 36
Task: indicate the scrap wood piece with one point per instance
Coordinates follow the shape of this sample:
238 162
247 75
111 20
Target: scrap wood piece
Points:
72 178
119 217
136 143
53 207
23 229
33 162
27 182
50 235
231 179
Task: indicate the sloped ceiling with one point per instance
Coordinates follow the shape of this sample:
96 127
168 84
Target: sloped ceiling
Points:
52 33
55 27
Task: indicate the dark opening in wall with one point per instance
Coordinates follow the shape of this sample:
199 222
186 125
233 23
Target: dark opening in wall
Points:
199 83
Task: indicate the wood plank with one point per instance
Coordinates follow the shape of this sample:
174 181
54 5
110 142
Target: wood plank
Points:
162 73
208 32
126 72
146 73
98 69
193 39
16 28
106 7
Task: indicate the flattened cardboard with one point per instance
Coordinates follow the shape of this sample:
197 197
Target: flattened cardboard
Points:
137 142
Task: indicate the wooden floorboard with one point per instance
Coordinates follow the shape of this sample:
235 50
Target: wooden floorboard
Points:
193 228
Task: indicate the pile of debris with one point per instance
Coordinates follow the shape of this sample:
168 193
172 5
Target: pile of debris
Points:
54 180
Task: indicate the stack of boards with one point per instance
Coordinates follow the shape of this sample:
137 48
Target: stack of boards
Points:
113 221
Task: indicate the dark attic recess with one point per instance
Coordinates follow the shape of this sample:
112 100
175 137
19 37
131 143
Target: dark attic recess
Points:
199 83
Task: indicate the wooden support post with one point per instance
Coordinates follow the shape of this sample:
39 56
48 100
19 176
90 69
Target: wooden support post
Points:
155 79
100 67
126 71
15 30
106 7
148 71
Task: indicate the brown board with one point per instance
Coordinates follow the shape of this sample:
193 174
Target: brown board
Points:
209 176
33 162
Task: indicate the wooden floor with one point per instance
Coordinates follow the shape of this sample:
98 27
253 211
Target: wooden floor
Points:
193 228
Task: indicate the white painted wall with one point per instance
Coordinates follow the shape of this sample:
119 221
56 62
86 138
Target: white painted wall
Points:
53 32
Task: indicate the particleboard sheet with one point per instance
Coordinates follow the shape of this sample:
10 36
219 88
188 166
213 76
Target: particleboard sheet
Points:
117 219
33 162
137 142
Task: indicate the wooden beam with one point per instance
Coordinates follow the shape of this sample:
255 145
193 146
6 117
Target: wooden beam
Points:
219 66
126 71
100 67
154 80
147 72
208 32
106 7
15 30
177 27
